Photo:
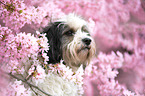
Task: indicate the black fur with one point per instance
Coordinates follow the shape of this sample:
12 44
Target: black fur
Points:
54 34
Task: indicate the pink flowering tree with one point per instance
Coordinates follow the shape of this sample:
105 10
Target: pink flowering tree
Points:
118 27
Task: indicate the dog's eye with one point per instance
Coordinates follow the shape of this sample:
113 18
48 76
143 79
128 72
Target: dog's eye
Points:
88 34
69 33
85 29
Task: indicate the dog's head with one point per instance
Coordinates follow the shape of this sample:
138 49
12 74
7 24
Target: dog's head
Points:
69 39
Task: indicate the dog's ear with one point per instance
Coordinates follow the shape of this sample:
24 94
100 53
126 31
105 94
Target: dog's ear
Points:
54 34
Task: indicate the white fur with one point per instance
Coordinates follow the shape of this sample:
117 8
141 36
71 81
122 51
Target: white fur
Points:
71 49
74 21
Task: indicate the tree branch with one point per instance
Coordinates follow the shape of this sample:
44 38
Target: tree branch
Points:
31 85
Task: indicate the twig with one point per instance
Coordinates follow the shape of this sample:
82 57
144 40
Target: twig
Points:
3 3
31 85
34 91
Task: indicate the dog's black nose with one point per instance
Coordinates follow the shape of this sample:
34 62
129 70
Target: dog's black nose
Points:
87 41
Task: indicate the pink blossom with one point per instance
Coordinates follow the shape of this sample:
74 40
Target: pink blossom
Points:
103 75
38 74
17 89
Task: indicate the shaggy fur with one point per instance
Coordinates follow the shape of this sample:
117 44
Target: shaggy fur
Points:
69 39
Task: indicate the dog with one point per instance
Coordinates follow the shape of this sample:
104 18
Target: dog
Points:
69 40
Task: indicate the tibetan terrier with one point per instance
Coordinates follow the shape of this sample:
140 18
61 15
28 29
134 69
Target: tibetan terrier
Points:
69 39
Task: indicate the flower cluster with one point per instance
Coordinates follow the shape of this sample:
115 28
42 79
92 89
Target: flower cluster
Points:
5 36
18 13
103 74
16 89
22 46
13 14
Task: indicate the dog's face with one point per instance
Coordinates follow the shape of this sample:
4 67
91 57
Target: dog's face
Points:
70 40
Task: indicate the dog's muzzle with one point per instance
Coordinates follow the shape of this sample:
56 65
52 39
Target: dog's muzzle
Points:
86 41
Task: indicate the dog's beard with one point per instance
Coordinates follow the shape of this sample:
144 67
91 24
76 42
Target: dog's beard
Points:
76 53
